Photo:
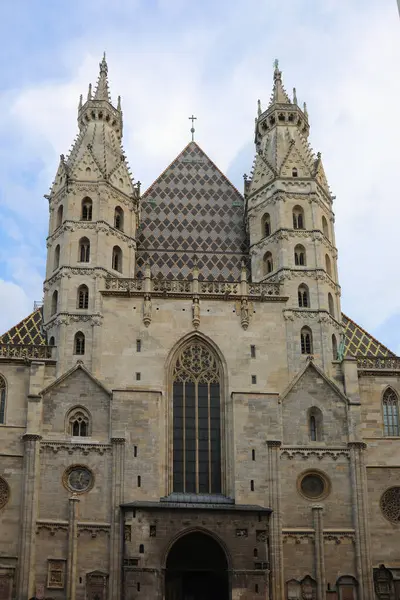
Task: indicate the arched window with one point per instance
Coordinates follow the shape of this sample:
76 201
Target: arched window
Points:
268 263
60 216
328 265
83 297
331 305
3 393
119 218
56 257
78 422
54 302
300 256
87 208
298 218
84 250
197 421
303 296
117 259
266 225
390 404
347 588
295 172
315 422
334 347
52 341
325 228
306 341
79 343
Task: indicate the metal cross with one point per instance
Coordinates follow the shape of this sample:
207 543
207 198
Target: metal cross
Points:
192 130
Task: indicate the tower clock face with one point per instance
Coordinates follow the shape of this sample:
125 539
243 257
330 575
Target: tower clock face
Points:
79 479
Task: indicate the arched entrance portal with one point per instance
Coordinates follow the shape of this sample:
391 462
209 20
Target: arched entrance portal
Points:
197 569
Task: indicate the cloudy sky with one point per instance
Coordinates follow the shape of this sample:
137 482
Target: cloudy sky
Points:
169 58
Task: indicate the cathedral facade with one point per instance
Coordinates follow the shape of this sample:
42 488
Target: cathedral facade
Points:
190 415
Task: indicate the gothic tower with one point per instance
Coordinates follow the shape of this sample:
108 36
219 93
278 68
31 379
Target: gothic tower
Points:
94 208
291 228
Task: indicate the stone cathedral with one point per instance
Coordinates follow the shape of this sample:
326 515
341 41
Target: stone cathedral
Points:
189 415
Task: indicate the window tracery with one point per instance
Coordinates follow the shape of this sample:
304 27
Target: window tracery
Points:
87 209
83 296
390 403
4 492
197 421
390 504
306 341
298 218
84 250
78 422
79 343
3 392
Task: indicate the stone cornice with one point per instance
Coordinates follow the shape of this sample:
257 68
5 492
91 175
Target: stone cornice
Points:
320 452
309 314
73 447
92 187
67 271
98 226
302 272
65 318
284 233
281 195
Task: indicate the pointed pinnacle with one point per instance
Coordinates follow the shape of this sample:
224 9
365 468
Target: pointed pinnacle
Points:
80 102
102 92
259 111
89 96
294 96
119 103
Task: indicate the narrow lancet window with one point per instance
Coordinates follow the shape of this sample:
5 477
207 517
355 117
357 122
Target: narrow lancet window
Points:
390 403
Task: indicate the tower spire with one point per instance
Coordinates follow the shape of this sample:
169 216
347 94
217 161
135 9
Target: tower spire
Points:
102 90
279 95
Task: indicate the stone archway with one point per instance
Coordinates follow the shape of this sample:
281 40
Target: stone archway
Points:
196 569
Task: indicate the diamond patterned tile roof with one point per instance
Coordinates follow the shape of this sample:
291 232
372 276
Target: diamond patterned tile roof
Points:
359 342
192 212
28 332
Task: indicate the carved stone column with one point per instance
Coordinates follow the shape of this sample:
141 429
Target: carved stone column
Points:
117 497
275 530
72 546
360 517
29 504
319 551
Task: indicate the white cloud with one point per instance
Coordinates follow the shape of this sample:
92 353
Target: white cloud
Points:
344 65
14 305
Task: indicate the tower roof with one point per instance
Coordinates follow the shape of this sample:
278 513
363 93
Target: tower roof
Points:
279 95
102 89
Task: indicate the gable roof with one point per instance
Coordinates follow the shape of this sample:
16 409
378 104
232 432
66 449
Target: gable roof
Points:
310 364
192 214
27 332
78 367
359 342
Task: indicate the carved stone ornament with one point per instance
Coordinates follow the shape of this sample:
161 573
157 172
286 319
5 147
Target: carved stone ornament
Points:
390 504
241 533
127 533
196 313
320 453
147 310
4 492
244 313
73 448
78 479
262 536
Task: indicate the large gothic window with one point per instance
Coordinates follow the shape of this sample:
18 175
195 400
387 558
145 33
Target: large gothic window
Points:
390 403
197 421
2 400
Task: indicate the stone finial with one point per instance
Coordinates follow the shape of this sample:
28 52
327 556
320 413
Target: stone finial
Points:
119 103
89 96
80 102
259 111
294 96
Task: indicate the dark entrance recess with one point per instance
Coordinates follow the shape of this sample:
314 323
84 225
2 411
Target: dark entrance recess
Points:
196 569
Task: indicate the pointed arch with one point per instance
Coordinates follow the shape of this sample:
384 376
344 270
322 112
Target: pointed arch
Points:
87 209
117 259
79 343
303 296
266 225
56 263
268 263
331 305
84 250
60 212
82 300
298 218
300 256
52 341
328 265
325 227
306 341
390 407
54 302
78 422
119 218
196 372
3 398
315 424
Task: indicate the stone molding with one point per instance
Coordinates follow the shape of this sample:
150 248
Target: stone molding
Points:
357 445
54 526
98 226
306 452
371 365
73 447
31 437
67 271
25 352
93 187
274 443
322 316
65 318
307 535
280 195
284 273
284 233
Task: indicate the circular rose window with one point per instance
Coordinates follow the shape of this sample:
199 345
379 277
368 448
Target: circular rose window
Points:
4 492
313 485
390 504
78 479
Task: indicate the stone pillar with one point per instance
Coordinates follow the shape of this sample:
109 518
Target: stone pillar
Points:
360 518
72 546
319 551
29 504
275 522
117 497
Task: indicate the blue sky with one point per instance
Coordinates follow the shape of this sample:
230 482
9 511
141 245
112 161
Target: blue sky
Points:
169 58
